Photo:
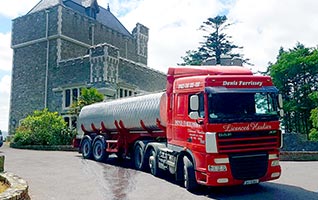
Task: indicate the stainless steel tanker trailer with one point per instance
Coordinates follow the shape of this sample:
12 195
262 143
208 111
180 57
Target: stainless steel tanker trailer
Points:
123 127
135 114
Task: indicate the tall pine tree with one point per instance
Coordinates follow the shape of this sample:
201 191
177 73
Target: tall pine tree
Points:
217 43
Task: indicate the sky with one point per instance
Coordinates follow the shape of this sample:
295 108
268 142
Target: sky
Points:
261 27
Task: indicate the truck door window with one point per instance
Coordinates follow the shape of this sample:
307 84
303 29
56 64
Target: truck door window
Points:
181 105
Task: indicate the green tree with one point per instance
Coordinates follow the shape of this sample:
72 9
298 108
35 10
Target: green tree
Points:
216 44
88 96
43 128
295 74
313 134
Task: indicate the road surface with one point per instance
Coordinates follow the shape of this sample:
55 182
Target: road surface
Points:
53 175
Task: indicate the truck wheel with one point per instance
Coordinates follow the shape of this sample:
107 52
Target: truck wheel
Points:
190 182
153 163
87 148
99 151
138 157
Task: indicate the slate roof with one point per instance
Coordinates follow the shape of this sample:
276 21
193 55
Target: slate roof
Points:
104 16
43 4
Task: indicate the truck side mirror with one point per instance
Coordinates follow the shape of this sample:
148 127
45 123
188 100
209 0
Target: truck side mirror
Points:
194 107
194 115
194 103
280 101
280 105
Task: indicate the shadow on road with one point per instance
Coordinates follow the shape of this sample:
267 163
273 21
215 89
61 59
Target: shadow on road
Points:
267 190
262 191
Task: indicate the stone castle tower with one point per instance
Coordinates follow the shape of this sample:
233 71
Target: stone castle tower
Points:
61 46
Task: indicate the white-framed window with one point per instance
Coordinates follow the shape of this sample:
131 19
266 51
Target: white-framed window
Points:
71 121
70 96
126 93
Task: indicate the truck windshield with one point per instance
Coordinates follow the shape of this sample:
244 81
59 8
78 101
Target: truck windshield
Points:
242 107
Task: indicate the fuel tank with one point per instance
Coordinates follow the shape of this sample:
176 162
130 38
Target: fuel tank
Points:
133 113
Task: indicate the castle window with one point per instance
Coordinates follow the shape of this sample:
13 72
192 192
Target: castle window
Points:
125 93
67 120
74 94
90 33
67 98
71 121
70 96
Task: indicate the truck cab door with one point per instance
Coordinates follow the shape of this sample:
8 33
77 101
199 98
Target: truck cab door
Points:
188 114
196 114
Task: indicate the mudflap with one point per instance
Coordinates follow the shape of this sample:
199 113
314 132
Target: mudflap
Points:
76 144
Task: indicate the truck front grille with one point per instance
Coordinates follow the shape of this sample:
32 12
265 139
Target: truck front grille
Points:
248 141
249 166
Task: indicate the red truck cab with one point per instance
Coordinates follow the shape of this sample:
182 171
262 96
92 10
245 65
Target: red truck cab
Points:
227 119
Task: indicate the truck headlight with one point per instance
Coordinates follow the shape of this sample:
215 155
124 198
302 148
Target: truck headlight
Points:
210 142
217 168
275 163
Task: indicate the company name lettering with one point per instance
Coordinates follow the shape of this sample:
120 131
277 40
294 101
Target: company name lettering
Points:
189 85
248 127
242 83
186 123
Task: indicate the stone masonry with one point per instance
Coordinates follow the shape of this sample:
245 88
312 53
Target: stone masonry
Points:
62 46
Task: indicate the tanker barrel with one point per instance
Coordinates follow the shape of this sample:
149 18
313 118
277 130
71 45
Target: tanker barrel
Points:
135 113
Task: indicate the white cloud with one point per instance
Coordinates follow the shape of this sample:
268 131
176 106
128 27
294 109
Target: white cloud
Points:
5 52
15 8
264 26
5 83
173 27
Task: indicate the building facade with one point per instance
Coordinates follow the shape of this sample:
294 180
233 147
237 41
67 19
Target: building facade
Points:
61 46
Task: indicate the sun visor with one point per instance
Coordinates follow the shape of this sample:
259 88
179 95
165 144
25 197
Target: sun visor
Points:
270 89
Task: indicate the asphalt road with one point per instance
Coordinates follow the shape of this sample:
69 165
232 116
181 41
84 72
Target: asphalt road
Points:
66 176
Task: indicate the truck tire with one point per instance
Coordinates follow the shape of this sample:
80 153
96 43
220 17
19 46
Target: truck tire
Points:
138 157
99 150
190 182
153 163
87 148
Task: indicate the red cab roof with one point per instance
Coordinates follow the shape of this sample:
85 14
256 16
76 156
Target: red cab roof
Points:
181 71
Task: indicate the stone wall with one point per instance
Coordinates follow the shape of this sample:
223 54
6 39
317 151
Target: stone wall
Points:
69 50
28 81
89 31
73 72
30 44
298 142
76 25
18 189
33 26
21 31
143 77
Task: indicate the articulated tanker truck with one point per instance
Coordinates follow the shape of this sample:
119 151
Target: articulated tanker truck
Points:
213 126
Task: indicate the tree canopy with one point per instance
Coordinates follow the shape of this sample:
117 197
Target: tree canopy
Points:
313 135
43 128
295 75
216 44
88 96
